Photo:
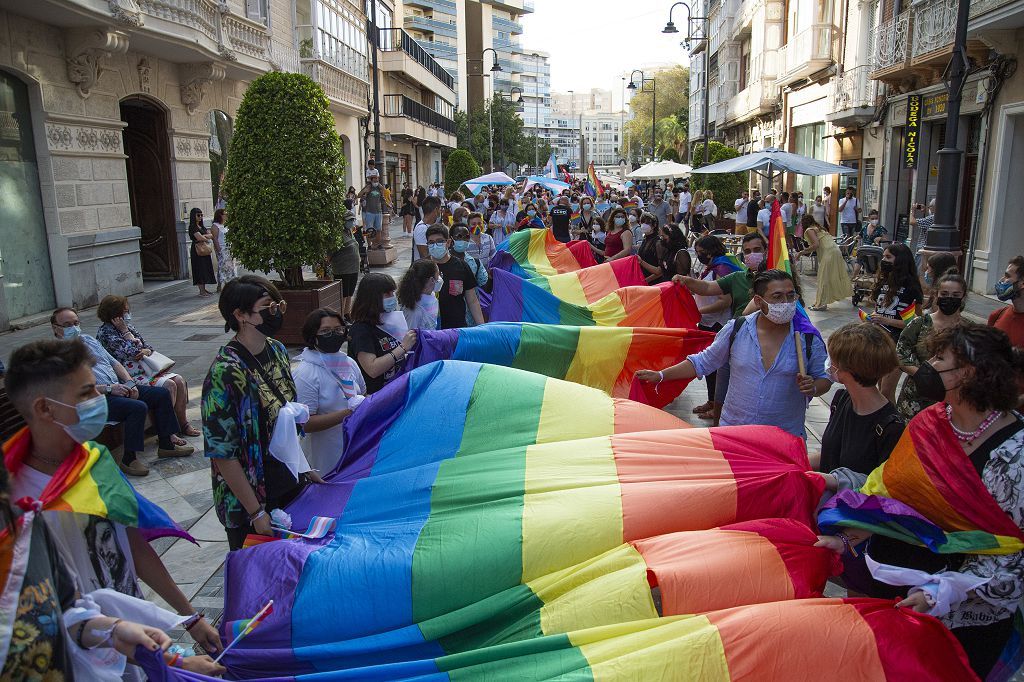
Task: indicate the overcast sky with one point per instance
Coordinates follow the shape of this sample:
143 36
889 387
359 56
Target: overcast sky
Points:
594 43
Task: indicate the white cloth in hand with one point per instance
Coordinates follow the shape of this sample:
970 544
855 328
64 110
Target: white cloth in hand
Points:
948 589
284 444
355 401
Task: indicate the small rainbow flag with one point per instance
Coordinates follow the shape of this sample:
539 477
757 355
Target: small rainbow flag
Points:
630 204
862 315
593 186
575 215
240 628
906 314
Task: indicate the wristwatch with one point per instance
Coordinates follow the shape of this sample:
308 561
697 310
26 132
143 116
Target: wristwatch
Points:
108 389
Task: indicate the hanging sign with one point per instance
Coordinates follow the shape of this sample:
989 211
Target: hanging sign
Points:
912 131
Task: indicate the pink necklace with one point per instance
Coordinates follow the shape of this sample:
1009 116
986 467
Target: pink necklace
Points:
970 436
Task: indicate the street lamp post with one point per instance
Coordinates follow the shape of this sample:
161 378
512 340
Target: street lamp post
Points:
536 112
670 27
495 68
654 100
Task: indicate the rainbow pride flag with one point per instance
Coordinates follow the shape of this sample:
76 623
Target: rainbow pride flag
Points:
927 493
808 640
536 253
605 358
664 305
90 482
589 285
906 314
593 185
778 250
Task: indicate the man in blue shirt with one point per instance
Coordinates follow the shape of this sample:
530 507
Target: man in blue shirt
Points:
127 402
765 386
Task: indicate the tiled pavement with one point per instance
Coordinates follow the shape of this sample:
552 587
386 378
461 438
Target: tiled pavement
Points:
190 330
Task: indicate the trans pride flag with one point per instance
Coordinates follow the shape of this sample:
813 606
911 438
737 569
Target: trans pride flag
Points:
605 358
536 253
663 305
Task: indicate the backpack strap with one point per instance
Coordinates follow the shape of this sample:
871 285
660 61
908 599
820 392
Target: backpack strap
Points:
736 326
882 427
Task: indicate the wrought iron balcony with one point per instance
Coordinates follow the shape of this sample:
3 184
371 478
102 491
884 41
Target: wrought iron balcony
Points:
396 39
892 47
402 106
933 29
853 97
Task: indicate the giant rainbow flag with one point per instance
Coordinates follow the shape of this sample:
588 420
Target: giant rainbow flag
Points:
605 358
591 284
496 524
664 305
533 253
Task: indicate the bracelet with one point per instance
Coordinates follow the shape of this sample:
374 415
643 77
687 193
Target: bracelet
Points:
194 620
661 378
175 662
260 512
847 544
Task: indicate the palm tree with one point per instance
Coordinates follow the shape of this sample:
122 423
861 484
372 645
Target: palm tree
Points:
669 133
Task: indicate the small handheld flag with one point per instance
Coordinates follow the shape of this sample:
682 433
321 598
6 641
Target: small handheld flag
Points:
241 628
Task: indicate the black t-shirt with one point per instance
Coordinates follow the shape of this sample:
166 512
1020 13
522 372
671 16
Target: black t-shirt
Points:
648 251
906 295
369 338
752 208
853 441
560 217
457 278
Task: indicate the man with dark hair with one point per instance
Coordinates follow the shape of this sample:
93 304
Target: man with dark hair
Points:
736 285
431 213
762 355
126 401
53 386
458 283
1010 288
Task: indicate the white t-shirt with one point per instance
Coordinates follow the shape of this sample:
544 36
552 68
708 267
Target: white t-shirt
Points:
848 209
709 208
787 213
419 238
684 202
324 382
764 217
424 315
741 211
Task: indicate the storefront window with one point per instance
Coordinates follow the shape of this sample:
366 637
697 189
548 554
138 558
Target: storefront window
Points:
809 141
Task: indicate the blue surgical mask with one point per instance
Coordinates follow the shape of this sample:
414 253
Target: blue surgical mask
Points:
438 283
928 279
72 332
437 250
92 417
390 304
619 221
127 317
531 213
460 245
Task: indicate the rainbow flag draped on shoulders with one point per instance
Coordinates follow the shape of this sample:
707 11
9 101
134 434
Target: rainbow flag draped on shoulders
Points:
90 482
927 493
536 253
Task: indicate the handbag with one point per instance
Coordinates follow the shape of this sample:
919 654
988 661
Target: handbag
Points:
204 248
156 363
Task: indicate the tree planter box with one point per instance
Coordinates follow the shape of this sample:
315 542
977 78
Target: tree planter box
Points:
301 302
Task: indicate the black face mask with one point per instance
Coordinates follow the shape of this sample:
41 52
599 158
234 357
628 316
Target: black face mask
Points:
949 305
703 258
271 323
885 266
331 343
929 383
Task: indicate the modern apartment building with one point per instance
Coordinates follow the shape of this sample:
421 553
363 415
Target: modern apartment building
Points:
116 118
595 100
601 136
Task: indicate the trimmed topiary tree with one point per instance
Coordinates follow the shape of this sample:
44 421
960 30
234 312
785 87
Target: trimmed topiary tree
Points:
285 181
461 166
726 186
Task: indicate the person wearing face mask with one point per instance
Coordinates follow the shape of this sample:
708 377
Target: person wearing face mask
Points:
874 232
675 258
659 207
248 383
457 297
530 218
833 281
127 402
761 352
937 265
1010 318
715 311
633 218
374 205
584 224
647 252
52 386
329 383
898 297
737 286
431 214
561 215
481 245
502 221
618 241
461 242
974 439
863 427
912 347
378 339
417 294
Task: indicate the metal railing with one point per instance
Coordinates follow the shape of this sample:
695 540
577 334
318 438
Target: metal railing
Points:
934 25
979 7
892 42
432 25
396 39
506 25
400 105
854 89
446 6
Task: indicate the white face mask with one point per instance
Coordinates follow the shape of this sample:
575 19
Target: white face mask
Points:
781 313
632 220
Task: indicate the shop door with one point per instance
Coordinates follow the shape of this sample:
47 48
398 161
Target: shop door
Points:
24 249
149 187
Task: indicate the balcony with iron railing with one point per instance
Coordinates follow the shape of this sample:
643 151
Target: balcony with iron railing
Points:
892 47
209 25
397 40
806 53
853 97
400 106
980 8
428 25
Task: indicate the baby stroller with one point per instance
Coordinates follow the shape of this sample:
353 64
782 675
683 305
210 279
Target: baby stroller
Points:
868 256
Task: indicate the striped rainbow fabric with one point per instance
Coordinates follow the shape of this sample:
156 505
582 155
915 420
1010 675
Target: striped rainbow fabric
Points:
605 358
664 305
590 285
465 550
533 253
927 493
778 249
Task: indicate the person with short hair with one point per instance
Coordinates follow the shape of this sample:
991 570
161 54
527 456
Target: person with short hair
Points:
763 337
849 213
378 341
127 401
458 291
1010 318
659 207
431 208
248 383
123 341
740 206
863 426
53 386
737 286
374 206
764 216
923 224
329 383
561 216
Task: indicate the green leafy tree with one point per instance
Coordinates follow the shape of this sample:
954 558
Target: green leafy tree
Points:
511 142
670 154
285 179
673 101
459 168
726 186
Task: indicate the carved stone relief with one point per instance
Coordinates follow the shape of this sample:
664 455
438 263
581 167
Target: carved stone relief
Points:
195 83
86 49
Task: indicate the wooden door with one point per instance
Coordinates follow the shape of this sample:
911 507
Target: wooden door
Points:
149 187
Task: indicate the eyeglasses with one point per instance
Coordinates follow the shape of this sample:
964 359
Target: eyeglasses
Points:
334 331
66 325
275 308
791 297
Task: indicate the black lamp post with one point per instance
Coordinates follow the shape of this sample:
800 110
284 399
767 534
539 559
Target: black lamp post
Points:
670 27
654 100
495 68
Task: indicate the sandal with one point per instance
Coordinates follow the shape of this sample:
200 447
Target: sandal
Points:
178 440
706 407
189 431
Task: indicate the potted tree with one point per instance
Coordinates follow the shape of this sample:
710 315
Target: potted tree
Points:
285 185
459 167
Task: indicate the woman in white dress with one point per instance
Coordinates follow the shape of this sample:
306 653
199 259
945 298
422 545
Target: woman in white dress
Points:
226 268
